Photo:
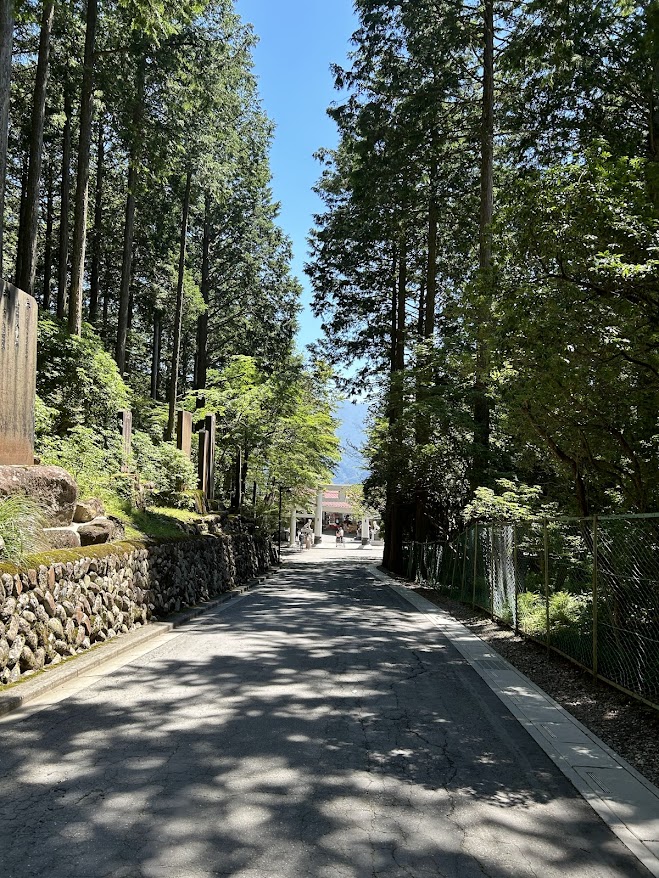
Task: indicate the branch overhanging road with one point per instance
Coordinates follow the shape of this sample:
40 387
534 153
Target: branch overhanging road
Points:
312 729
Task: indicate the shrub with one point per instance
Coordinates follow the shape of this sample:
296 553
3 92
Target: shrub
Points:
177 473
77 379
44 419
566 611
21 528
169 471
93 457
150 416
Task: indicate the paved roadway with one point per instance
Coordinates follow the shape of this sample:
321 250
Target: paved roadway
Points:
317 728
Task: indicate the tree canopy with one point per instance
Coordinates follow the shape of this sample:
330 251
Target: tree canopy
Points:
487 249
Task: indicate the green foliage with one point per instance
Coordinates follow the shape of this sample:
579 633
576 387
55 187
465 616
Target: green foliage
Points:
44 419
21 528
77 380
167 470
515 503
93 457
541 369
282 422
566 612
149 416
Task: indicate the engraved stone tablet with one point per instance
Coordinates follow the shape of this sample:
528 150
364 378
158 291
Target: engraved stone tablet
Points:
18 375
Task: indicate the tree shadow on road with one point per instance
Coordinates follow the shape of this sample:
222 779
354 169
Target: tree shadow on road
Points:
317 729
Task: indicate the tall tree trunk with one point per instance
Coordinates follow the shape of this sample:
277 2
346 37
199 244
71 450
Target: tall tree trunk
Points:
63 249
18 267
106 302
27 233
82 182
391 408
201 358
155 353
393 314
6 43
421 313
178 314
394 522
480 467
431 270
129 224
423 372
48 250
128 364
401 303
96 245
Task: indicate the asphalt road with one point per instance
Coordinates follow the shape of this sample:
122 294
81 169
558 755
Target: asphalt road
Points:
317 728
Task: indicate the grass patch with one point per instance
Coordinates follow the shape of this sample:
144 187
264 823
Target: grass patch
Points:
155 523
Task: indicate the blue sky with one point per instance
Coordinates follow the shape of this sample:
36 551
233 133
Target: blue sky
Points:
298 40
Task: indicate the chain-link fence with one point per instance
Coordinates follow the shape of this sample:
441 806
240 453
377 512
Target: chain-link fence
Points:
586 588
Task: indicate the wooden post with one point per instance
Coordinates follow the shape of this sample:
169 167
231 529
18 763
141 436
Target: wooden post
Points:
126 429
202 465
184 432
209 427
239 477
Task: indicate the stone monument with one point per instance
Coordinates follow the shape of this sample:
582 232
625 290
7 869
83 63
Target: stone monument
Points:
125 418
52 488
18 375
184 432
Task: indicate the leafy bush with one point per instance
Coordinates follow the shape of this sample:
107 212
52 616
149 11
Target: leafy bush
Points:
77 380
169 471
565 611
21 528
44 418
150 416
511 501
93 457
177 473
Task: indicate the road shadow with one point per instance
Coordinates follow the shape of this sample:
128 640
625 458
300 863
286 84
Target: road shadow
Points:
316 729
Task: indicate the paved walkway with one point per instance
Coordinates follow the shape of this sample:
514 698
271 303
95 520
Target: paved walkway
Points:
319 727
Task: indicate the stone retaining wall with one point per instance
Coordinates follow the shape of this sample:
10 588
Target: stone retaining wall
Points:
64 608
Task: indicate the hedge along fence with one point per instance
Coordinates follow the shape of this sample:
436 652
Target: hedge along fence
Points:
70 600
587 589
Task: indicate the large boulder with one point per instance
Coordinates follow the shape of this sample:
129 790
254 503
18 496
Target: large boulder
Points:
62 537
51 487
87 510
100 530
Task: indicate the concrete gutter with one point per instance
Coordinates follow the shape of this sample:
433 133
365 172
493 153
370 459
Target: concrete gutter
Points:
80 665
623 798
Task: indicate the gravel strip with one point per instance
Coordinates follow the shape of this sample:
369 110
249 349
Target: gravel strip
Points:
627 726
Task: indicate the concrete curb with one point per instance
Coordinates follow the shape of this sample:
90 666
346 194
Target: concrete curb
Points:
626 801
80 665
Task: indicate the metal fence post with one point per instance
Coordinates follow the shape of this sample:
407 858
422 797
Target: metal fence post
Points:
595 584
515 578
464 567
473 586
492 571
545 530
